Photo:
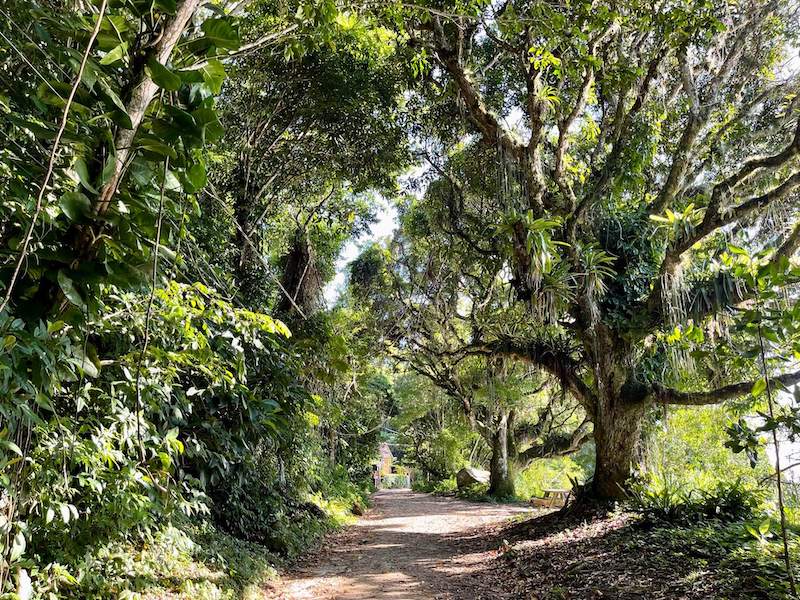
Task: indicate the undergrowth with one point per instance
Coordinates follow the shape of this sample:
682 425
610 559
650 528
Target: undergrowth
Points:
750 551
197 560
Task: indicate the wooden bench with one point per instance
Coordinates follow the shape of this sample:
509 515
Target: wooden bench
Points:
553 498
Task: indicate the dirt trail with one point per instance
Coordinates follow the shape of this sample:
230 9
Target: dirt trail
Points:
409 545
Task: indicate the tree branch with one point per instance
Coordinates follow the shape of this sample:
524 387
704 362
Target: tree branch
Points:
557 445
556 362
478 112
664 395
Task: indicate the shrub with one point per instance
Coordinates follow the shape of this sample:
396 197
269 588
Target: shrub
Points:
444 486
215 383
660 497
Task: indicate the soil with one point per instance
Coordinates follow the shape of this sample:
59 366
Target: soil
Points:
408 545
418 546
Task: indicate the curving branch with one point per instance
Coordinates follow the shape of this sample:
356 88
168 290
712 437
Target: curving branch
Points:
556 362
559 444
715 219
664 395
477 111
699 112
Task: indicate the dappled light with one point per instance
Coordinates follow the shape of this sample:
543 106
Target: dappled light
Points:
443 299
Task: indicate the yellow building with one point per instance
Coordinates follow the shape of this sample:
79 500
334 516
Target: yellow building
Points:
385 460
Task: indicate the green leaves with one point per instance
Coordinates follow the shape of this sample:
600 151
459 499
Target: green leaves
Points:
759 387
9 445
75 205
117 53
18 546
221 33
69 289
213 73
83 175
163 77
195 178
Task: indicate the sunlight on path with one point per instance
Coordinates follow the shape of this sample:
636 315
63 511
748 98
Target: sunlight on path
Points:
409 546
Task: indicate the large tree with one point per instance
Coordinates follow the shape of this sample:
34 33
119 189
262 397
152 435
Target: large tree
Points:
605 155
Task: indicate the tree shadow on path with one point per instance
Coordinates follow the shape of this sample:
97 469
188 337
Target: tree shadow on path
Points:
408 546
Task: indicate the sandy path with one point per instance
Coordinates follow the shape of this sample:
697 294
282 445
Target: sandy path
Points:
409 545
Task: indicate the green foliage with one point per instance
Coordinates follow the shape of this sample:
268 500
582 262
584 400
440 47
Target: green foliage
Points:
212 383
690 445
552 473
177 128
663 498
444 486
182 160
754 563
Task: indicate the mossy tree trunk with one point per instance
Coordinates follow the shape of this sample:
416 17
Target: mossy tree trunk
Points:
501 467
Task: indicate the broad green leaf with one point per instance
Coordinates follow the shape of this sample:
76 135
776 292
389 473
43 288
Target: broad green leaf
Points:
115 105
44 402
213 75
70 291
759 387
12 446
17 547
220 33
167 6
55 327
86 364
83 175
116 54
163 77
156 147
109 169
75 205
196 177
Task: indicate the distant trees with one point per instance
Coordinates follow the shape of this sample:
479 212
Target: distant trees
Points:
309 134
427 314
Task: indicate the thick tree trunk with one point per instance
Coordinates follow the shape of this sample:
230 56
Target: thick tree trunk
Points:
501 480
618 413
617 427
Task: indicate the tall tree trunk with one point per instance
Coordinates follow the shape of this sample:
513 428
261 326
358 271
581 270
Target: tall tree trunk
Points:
143 91
501 479
617 427
247 271
618 414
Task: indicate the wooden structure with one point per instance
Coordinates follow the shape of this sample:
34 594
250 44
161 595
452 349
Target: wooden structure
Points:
553 498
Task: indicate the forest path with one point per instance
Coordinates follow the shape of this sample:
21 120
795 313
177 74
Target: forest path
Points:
408 546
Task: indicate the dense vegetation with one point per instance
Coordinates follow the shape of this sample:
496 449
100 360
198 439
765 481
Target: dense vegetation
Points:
592 283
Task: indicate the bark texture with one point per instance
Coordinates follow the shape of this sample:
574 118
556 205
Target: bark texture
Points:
617 428
501 480
141 96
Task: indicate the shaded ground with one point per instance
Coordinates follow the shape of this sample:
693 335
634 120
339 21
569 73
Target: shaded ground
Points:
431 548
587 556
409 545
